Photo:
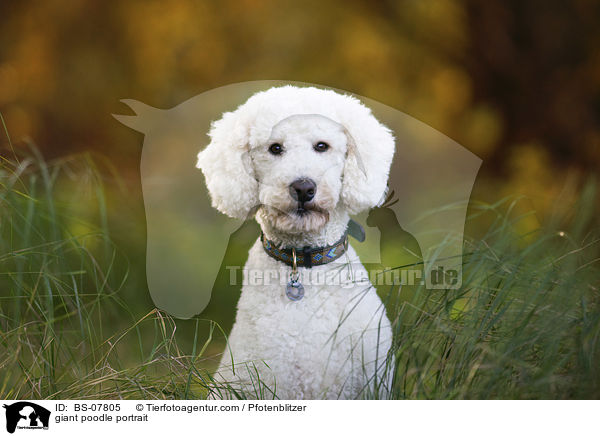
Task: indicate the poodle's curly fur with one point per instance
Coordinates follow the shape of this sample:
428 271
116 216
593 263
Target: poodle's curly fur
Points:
334 342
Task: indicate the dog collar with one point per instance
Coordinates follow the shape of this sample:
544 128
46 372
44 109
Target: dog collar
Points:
306 256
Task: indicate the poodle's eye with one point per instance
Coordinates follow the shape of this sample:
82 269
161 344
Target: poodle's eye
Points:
276 148
321 146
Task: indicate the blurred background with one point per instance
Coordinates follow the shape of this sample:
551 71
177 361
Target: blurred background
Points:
515 82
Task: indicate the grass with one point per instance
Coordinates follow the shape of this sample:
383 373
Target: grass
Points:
525 324
65 330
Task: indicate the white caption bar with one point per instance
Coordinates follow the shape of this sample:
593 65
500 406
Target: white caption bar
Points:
298 417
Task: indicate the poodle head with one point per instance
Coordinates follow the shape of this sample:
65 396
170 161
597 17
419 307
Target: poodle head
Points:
295 155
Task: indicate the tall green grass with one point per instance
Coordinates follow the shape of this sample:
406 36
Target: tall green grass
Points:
65 329
525 324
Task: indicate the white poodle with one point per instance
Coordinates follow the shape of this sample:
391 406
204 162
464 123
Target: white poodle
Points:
309 324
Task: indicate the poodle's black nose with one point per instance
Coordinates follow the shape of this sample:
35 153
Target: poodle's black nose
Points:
303 190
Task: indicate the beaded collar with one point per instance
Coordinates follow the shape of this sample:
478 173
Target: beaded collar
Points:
306 256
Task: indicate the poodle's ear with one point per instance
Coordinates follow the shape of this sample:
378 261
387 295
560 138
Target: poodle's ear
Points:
226 167
370 153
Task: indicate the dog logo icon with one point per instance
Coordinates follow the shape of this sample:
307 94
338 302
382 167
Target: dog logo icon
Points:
26 415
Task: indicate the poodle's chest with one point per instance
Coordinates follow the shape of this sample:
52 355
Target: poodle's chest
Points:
324 311
269 308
